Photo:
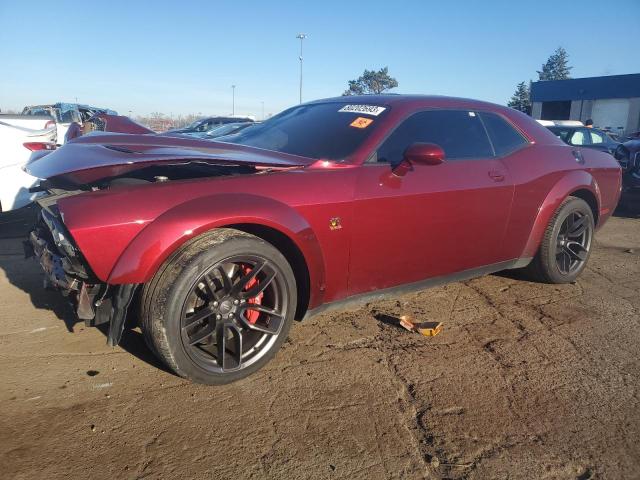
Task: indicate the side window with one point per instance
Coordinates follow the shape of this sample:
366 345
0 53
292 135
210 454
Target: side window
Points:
596 137
504 137
578 138
459 132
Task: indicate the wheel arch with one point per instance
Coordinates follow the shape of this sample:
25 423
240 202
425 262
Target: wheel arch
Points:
578 183
274 222
285 245
591 199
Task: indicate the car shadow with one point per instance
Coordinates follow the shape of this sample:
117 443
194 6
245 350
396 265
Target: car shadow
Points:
627 212
516 274
133 342
17 223
26 275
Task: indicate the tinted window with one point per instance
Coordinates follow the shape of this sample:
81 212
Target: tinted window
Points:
330 131
562 133
504 137
459 132
572 136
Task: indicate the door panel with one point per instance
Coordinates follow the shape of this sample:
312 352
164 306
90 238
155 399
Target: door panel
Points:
435 220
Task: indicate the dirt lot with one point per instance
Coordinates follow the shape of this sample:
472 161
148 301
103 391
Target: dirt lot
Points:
526 381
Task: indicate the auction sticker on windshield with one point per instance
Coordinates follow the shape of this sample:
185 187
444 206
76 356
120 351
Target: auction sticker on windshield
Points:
368 109
361 122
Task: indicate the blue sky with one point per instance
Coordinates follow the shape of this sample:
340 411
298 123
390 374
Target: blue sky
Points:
182 57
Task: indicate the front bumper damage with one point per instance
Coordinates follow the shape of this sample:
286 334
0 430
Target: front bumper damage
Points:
65 270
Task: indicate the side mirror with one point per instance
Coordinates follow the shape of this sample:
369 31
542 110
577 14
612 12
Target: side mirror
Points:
424 154
419 154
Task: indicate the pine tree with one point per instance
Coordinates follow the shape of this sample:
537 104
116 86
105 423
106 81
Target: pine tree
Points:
372 82
520 100
557 66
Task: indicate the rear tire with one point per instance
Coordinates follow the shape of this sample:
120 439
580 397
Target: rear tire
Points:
566 244
234 332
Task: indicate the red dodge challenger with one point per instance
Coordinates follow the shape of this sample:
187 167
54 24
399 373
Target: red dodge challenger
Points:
216 247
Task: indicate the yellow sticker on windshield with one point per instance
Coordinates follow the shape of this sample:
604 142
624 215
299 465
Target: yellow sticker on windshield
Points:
362 122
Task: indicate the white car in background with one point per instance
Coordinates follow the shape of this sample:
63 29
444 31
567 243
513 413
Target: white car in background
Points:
20 135
560 123
64 114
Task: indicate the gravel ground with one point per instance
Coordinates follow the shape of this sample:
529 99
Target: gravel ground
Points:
526 381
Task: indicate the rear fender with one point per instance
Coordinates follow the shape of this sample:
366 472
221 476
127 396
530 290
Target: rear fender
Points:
572 182
157 241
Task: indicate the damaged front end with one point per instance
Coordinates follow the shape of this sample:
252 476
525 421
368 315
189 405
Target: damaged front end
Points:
120 184
65 270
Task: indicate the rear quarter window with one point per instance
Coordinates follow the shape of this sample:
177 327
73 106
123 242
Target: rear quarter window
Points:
504 136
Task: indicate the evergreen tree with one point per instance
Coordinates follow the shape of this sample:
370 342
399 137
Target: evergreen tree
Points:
557 66
521 100
372 82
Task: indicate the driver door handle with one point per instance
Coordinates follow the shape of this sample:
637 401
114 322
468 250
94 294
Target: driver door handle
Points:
496 175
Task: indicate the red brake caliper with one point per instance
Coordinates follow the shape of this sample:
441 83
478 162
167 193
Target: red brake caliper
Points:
253 315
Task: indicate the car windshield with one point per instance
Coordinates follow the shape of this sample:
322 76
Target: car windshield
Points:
39 111
329 131
220 130
194 125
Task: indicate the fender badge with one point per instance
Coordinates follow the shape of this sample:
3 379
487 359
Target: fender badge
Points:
334 223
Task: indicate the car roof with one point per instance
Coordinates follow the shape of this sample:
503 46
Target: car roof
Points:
222 117
532 130
391 99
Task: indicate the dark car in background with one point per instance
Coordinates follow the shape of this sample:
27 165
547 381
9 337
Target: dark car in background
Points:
205 124
228 129
628 155
584 137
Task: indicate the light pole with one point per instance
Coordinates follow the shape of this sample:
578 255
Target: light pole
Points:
301 36
262 110
233 100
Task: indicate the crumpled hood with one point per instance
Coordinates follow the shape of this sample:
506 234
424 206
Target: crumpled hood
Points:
101 155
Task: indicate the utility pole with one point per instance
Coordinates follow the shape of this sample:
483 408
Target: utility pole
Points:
233 100
301 36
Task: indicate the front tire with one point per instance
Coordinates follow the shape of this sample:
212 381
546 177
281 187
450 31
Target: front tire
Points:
566 245
220 308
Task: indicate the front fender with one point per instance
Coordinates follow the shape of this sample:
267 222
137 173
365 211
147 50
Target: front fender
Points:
571 182
157 241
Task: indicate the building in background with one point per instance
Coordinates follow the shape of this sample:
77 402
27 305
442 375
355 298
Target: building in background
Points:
612 102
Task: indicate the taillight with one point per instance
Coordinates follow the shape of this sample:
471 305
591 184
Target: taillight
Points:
49 124
34 146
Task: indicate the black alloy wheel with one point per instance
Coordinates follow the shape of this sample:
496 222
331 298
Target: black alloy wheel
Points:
566 244
233 313
220 307
573 242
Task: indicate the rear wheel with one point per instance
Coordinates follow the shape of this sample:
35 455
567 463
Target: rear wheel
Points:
220 308
566 244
